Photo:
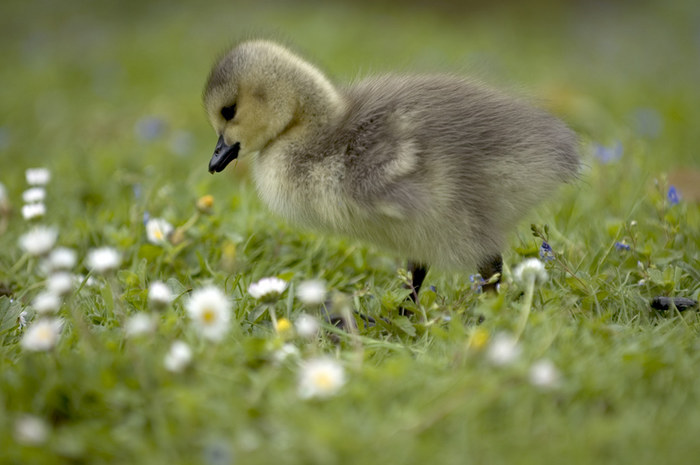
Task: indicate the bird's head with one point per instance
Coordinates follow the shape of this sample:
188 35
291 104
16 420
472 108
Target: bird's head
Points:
250 100
259 91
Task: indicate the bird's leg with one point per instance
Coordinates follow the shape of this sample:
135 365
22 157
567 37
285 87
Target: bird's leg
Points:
489 267
418 273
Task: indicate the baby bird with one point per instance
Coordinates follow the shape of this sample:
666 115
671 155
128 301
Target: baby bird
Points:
434 168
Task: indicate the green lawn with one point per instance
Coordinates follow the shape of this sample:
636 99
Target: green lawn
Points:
107 97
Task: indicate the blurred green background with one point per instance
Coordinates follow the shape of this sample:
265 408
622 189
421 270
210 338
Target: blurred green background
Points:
108 96
78 75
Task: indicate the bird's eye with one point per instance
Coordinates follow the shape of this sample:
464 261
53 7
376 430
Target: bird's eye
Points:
229 112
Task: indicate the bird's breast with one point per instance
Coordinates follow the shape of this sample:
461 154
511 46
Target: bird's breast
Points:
308 194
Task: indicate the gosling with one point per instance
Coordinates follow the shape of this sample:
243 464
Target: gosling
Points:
434 168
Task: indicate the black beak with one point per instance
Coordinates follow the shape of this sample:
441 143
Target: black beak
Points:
223 155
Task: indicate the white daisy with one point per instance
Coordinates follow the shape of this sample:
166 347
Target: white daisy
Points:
159 294
33 210
60 283
285 352
503 350
34 195
62 258
544 374
312 292
79 278
46 302
210 310
140 323
320 377
158 230
38 176
39 240
31 430
103 260
267 289
306 326
178 357
530 269
23 319
42 335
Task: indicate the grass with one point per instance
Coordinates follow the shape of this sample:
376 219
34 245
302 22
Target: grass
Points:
78 82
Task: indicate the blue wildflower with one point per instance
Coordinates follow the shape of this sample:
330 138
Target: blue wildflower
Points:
546 252
673 197
477 281
647 122
5 138
218 452
146 217
434 289
182 143
150 128
608 154
621 246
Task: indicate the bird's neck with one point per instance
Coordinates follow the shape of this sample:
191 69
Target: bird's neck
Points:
320 102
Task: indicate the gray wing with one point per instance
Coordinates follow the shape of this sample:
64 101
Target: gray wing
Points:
432 142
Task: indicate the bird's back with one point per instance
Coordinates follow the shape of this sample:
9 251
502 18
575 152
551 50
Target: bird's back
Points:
457 163
454 117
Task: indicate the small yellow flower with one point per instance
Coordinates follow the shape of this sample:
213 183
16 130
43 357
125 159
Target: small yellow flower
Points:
205 203
284 327
478 339
228 255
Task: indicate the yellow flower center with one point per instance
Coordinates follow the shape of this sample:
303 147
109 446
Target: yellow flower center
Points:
158 234
208 316
323 381
44 334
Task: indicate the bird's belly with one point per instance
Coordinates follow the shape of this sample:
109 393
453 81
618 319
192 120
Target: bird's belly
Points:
318 202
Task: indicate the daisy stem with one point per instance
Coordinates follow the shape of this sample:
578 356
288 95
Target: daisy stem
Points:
178 234
525 311
273 316
22 260
116 304
573 275
79 324
354 335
